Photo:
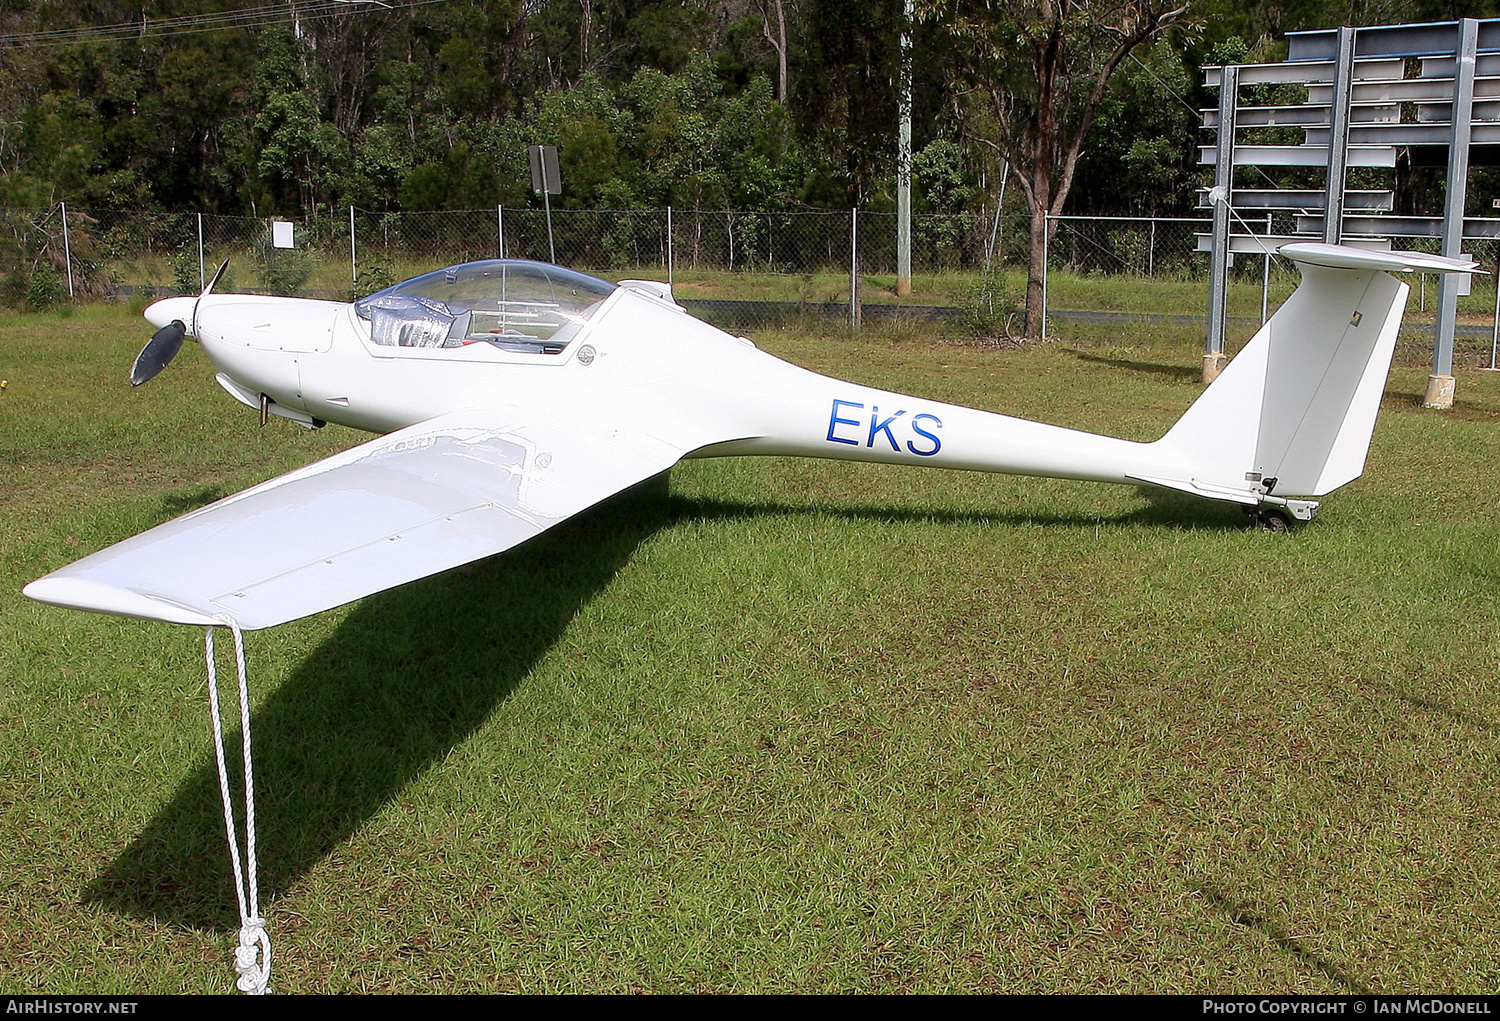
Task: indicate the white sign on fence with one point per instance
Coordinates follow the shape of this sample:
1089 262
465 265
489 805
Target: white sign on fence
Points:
281 233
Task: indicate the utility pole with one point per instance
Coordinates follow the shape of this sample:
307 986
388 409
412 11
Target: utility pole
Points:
903 165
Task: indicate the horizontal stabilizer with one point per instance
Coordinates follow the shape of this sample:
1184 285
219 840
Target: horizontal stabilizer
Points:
1343 257
1195 487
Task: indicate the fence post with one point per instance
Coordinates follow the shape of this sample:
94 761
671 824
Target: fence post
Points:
67 249
202 278
1151 251
500 227
854 309
1046 237
353 255
669 248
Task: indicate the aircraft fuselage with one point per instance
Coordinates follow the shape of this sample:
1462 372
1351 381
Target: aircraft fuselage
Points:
640 363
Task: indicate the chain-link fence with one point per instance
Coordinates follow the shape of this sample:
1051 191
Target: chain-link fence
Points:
1105 268
1152 266
742 269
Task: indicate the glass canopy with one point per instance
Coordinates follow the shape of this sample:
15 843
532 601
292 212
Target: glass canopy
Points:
510 303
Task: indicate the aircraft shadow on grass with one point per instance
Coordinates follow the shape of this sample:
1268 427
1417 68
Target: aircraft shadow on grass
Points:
1244 914
1177 373
411 673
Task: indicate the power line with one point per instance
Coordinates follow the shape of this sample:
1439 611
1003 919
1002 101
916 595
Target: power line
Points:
215 21
1194 111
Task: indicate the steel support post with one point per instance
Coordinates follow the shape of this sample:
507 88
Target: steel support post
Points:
1440 383
1218 275
1495 328
1265 273
551 245
1338 140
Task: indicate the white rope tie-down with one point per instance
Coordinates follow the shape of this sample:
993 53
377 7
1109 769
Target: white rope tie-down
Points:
252 958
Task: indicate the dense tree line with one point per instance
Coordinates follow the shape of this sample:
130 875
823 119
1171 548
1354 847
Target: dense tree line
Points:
433 106
698 103
715 103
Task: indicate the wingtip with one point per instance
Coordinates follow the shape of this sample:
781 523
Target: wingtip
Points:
79 594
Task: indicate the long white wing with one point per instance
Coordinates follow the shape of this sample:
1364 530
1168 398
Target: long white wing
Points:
412 503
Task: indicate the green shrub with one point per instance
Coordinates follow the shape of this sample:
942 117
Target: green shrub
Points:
995 308
375 274
185 270
282 270
44 289
140 298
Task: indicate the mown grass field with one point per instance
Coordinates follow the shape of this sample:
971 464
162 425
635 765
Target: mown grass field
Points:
790 725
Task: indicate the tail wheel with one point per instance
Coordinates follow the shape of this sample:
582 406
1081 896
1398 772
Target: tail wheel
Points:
1272 521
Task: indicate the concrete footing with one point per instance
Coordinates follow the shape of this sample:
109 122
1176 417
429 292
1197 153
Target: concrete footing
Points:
1439 392
1213 364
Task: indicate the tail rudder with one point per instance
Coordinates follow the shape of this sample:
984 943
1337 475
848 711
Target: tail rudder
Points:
1294 411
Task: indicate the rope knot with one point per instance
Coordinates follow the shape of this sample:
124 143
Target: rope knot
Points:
252 958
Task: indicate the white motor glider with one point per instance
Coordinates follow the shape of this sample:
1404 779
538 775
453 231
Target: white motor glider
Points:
513 395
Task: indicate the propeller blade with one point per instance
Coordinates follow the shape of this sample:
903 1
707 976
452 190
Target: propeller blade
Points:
158 352
218 275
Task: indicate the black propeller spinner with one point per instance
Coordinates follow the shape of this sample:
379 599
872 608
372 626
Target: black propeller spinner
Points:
167 341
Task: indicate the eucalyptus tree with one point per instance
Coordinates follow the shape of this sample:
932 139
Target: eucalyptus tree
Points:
1039 70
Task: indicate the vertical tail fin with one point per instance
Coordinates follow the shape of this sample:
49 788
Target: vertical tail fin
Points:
1297 405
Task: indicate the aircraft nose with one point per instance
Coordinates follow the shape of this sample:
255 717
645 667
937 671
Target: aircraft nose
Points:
162 312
